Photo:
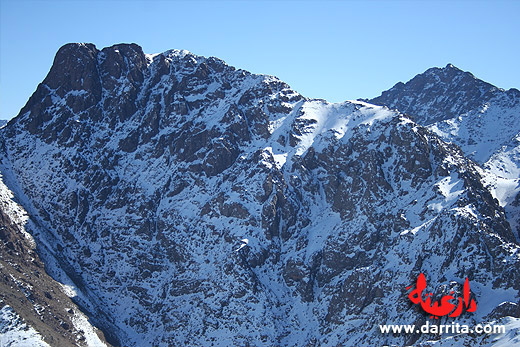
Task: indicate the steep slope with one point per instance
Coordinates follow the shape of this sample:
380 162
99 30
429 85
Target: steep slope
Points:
480 118
35 309
146 171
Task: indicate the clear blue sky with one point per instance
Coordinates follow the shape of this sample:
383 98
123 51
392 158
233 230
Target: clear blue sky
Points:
335 50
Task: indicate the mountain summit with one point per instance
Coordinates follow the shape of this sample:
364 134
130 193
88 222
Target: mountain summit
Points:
142 175
440 94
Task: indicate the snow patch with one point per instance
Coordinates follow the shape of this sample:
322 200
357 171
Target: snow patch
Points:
15 332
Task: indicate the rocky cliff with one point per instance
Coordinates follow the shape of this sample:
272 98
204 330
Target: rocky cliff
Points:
483 120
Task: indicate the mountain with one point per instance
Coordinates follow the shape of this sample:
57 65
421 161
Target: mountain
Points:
441 94
140 175
480 118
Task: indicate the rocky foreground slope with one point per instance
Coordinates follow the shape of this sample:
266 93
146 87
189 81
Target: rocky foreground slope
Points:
141 174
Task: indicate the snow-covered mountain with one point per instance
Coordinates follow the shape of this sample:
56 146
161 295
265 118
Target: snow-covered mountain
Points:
479 117
142 175
483 120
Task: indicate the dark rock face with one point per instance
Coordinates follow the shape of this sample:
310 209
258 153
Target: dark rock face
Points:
442 93
148 170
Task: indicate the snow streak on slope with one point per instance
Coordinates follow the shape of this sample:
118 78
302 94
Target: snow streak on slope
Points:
482 133
490 136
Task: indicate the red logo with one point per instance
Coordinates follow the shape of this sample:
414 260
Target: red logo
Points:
446 305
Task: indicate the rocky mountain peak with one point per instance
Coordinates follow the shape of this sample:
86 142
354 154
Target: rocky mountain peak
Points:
443 93
483 120
87 88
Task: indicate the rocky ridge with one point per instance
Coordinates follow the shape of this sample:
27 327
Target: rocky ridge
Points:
481 119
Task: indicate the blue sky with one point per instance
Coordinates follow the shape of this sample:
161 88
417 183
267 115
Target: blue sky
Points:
335 50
